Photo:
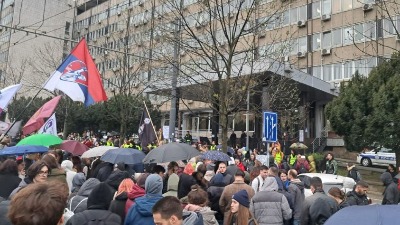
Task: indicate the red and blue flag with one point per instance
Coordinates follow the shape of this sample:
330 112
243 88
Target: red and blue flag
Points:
78 77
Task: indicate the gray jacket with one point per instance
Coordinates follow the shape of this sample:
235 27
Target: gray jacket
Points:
317 209
270 208
296 190
78 203
391 193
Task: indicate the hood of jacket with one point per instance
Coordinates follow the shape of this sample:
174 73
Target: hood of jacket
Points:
310 158
57 172
192 218
153 185
270 184
87 187
67 165
298 183
136 192
173 181
122 196
386 178
145 204
78 180
100 197
348 183
116 178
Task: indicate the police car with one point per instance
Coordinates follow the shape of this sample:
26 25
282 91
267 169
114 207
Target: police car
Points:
380 156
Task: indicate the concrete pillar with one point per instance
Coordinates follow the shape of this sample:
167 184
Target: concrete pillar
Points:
319 119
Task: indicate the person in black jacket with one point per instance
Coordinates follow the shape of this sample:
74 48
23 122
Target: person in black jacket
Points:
117 205
9 179
97 208
358 195
391 193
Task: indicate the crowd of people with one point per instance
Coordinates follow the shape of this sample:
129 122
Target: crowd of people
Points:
57 188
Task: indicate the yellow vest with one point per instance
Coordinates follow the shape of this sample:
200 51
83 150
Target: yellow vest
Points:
278 157
109 143
213 147
292 159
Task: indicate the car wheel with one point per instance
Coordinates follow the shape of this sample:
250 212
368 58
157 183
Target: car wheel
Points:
366 162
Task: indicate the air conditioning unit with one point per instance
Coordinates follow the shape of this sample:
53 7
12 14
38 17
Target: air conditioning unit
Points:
368 7
119 13
94 58
105 52
190 101
262 34
231 14
94 40
301 23
198 24
326 17
397 37
107 35
140 43
326 51
99 21
183 53
301 54
115 69
285 59
141 2
86 27
159 16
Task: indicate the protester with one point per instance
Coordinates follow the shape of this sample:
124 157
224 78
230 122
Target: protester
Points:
331 164
348 184
302 165
239 213
171 169
239 164
9 179
168 211
313 166
257 182
230 171
339 196
214 192
198 202
358 196
172 189
269 206
135 193
186 180
391 193
77 182
67 165
78 203
296 190
226 196
36 173
4 206
56 173
292 158
352 172
250 163
319 207
140 212
21 167
39 204
97 208
117 205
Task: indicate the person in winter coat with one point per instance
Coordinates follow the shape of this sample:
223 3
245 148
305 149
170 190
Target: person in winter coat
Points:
78 202
9 179
67 165
56 173
239 164
391 193
331 164
352 172
240 213
4 206
36 173
296 190
97 208
77 182
269 206
186 180
168 210
226 196
136 192
358 196
348 184
339 196
172 189
198 202
302 165
140 212
115 179
313 166
214 192
117 205
103 171
319 207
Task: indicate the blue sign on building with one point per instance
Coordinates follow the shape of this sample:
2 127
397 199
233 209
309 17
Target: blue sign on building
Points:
270 126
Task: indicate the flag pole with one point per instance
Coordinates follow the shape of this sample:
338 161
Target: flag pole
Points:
151 121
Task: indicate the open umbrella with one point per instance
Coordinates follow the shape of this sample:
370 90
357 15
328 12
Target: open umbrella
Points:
127 155
298 146
23 149
74 147
97 151
365 215
40 139
215 156
171 152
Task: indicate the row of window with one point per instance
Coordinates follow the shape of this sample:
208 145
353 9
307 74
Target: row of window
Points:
102 31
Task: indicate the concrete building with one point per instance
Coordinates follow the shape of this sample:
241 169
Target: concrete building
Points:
320 43
26 54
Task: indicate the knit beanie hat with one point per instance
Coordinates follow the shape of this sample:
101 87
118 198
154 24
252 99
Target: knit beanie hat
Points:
242 197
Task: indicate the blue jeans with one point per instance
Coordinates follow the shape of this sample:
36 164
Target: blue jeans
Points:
296 222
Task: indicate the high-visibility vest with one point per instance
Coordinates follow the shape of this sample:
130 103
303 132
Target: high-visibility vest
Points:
278 157
109 143
213 147
292 159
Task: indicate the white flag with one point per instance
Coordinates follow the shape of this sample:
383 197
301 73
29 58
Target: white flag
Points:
5 126
50 127
7 94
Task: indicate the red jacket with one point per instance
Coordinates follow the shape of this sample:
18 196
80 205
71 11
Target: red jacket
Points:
135 193
241 167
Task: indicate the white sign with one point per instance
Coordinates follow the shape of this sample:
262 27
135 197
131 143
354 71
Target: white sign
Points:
165 131
301 136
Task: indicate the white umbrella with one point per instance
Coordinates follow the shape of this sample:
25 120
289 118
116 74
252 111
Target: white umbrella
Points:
97 151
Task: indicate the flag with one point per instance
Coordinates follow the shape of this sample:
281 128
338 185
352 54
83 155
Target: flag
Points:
146 131
78 77
50 127
37 120
13 132
7 94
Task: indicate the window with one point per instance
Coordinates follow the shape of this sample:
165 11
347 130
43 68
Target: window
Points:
337 37
388 27
316 9
336 6
316 71
358 33
327 72
303 12
370 30
326 7
347 35
303 44
337 71
293 15
347 5
347 69
326 40
316 41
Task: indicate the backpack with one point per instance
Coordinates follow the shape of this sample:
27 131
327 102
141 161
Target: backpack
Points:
259 184
303 168
94 220
68 212
358 176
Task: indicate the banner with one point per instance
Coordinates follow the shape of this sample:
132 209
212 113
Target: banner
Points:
50 127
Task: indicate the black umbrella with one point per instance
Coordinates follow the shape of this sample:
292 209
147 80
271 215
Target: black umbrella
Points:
171 152
127 155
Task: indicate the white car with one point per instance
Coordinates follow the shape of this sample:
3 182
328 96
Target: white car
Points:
328 181
379 156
